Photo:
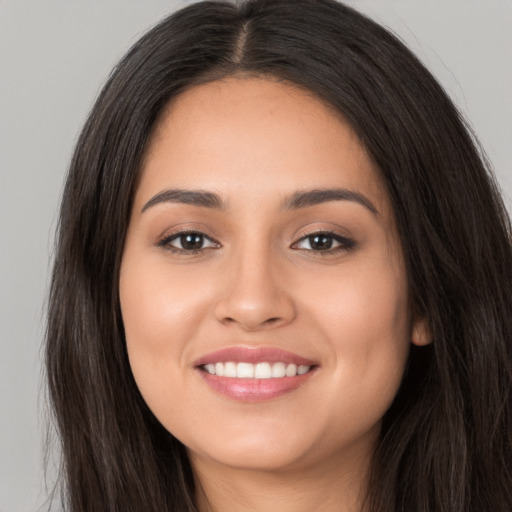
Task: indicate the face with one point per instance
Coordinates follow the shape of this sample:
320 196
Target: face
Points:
262 285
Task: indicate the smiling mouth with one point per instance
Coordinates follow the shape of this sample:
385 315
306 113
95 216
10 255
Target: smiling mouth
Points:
254 374
261 370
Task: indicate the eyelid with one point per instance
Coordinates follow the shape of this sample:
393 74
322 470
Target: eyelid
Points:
165 240
345 243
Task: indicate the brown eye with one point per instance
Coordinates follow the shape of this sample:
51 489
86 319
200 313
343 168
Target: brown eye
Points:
320 242
191 241
324 242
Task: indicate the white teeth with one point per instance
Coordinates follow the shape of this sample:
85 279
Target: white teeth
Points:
261 370
278 370
302 369
230 370
245 370
291 370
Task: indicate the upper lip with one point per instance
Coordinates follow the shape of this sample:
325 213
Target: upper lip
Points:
251 354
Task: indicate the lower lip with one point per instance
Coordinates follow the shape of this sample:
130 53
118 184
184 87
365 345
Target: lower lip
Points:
254 390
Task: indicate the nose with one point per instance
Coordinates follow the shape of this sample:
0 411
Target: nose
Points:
254 296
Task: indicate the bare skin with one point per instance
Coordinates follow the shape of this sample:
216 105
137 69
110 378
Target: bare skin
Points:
244 254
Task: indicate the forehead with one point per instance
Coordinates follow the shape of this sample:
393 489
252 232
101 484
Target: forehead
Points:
234 135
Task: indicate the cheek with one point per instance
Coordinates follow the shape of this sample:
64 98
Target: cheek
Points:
364 320
160 310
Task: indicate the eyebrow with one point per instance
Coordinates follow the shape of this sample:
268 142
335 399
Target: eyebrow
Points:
193 197
298 200
324 195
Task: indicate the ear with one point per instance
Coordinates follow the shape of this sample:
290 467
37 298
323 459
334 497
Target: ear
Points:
420 335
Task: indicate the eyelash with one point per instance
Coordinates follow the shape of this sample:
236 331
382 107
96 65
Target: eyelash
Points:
345 244
165 243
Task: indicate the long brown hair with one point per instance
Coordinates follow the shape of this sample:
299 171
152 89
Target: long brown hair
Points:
446 443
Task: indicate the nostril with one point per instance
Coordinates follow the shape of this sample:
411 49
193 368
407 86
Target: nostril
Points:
265 323
254 311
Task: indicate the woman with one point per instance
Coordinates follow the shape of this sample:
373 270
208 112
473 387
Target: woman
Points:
283 278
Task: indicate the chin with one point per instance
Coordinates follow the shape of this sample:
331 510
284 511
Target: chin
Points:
253 455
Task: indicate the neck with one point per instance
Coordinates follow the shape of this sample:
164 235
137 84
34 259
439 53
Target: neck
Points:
324 487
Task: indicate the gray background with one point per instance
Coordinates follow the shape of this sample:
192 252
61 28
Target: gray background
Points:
54 56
